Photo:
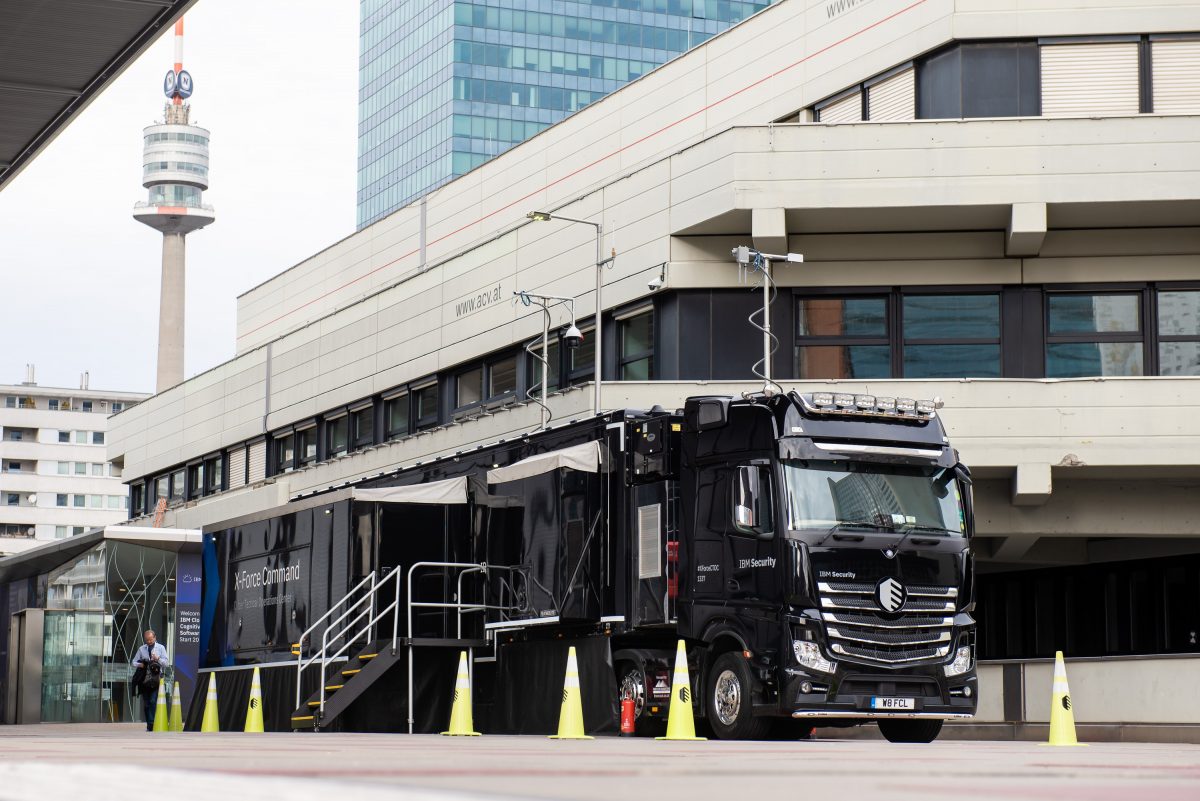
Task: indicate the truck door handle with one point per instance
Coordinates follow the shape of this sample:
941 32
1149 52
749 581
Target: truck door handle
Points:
733 585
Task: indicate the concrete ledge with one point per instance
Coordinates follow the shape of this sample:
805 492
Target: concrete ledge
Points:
1087 733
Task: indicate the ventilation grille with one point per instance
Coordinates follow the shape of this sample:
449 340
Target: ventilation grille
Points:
649 552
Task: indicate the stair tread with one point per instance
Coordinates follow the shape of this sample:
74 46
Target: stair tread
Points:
367 656
302 717
331 687
351 672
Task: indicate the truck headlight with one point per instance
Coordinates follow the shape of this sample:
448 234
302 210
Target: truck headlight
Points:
808 654
961 663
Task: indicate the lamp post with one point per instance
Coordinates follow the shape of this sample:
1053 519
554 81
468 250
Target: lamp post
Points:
545 216
747 259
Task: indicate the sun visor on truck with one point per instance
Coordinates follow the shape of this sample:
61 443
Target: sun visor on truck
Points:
448 491
586 457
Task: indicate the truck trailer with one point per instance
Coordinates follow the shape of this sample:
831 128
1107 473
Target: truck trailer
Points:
811 550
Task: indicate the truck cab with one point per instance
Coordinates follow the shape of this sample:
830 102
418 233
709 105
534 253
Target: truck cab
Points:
825 563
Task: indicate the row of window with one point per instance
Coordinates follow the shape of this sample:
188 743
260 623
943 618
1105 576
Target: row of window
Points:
63 404
16 530
902 334
195 139
62 532
81 437
81 469
87 501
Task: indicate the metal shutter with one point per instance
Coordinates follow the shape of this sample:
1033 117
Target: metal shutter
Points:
1176 79
258 461
848 109
237 467
649 550
1082 80
894 98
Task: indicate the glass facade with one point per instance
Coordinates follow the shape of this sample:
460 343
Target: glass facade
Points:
444 86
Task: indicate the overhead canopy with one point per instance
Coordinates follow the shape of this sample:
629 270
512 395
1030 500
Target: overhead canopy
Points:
585 457
448 491
56 57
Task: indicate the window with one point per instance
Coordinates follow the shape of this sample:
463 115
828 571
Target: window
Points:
336 442
285 452
13 498
113 470
195 481
10 402
15 435
752 500
554 357
306 445
985 79
468 387
54 408
97 437
951 336
97 468
61 499
78 501
502 377
96 501
362 427
64 468
395 416
81 438
177 486
581 361
87 406
60 532
637 347
161 488
64 436
425 405
1179 332
1094 334
843 337
76 531
137 494
12 467
115 501
81 468
214 474
117 406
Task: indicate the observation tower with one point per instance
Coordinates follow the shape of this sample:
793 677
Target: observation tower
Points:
175 171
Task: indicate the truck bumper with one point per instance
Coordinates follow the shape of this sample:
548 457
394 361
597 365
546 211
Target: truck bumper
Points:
850 693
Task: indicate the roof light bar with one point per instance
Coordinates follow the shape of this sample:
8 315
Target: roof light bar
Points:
842 403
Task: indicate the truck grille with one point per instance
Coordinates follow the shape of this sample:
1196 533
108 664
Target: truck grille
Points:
856 628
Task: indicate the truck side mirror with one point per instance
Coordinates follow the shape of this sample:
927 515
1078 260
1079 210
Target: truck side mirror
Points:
752 501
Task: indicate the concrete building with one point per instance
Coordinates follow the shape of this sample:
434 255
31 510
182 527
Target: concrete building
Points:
55 480
445 86
175 171
998 206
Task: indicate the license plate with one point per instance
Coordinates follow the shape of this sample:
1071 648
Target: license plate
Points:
893 703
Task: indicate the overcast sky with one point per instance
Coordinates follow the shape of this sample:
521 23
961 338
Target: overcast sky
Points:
276 83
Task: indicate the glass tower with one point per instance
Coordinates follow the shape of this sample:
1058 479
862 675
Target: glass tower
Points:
445 85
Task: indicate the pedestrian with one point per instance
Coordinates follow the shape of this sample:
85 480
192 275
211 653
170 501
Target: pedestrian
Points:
149 663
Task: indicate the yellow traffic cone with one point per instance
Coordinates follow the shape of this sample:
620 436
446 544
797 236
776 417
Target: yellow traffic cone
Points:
160 709
1062 719
176 722
570 716
211 722
460 713
680 724
254 717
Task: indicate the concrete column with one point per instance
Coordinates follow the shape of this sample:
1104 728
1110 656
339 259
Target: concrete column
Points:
170 313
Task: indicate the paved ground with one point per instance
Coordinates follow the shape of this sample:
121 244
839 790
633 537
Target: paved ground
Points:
121 762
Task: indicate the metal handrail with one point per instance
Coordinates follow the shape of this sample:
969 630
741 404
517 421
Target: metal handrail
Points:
300 663
458 606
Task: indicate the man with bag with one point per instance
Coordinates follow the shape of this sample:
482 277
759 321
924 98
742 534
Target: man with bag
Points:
149 663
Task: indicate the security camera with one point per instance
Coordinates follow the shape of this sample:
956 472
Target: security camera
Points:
573 337
655 283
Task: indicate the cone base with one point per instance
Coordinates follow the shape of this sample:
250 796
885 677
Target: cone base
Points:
1065 745
569 737
692 739
461 734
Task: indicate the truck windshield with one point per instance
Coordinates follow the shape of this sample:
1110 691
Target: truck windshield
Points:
823 494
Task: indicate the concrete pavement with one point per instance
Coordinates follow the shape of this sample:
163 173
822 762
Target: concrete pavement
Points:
114 761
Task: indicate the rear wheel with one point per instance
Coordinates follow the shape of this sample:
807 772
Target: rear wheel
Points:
631 683
910 731
730 708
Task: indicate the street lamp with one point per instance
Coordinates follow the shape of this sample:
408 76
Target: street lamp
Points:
571 338
545 216
750 259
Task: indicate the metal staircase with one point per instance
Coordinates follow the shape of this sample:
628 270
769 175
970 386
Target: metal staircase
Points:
351 655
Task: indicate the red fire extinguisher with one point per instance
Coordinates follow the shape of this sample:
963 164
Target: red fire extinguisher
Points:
626 717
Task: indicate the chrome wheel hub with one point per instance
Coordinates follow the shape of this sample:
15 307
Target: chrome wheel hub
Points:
727 697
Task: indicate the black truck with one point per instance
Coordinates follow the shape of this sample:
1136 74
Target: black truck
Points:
812 550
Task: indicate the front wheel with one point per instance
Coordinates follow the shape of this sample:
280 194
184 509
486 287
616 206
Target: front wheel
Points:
730 710
910 731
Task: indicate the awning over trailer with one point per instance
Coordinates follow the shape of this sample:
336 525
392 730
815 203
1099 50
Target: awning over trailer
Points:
448 491
585 457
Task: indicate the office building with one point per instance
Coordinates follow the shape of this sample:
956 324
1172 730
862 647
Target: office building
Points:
444 86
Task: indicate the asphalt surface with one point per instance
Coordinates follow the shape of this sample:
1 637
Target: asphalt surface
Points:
124 762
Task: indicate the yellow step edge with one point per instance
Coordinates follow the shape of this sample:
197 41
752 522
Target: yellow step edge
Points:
367 656
332 687
303 717
350 672
314 703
